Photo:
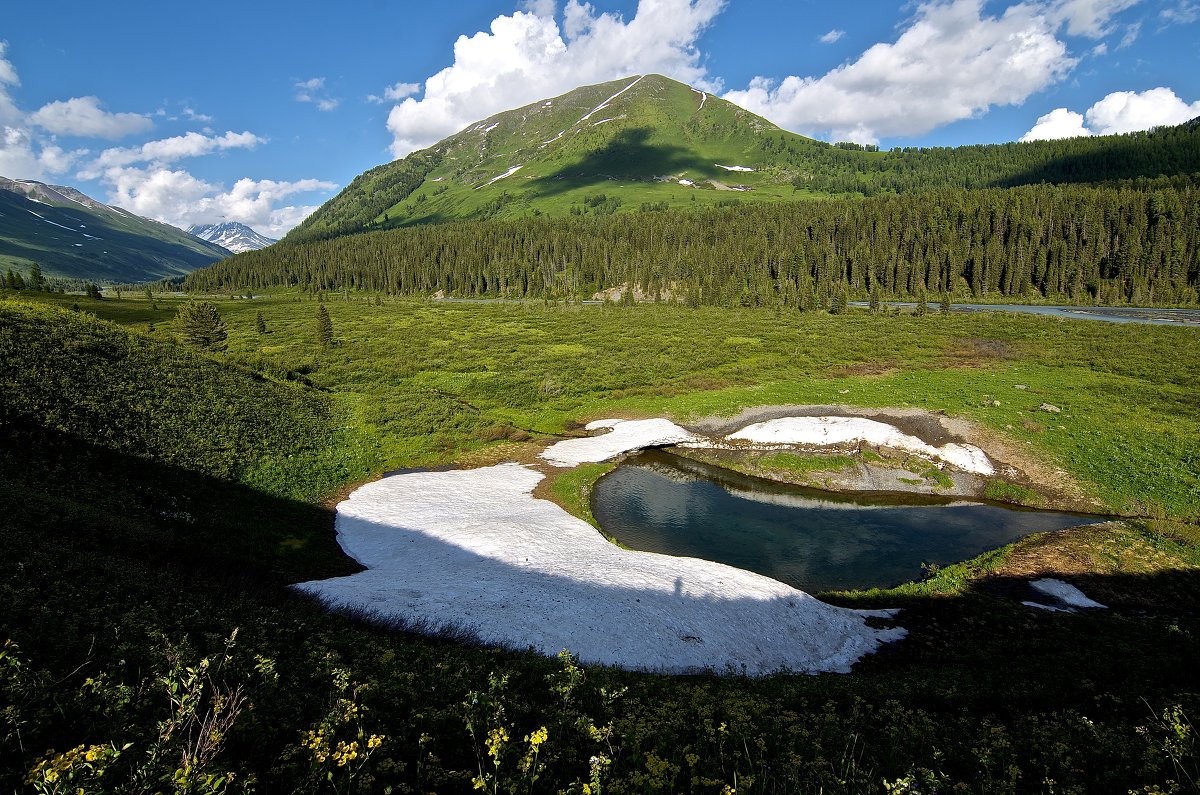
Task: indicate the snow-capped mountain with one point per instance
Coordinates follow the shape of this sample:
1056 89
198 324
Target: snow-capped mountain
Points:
231 235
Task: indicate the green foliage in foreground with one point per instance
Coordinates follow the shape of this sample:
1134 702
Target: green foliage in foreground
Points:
132 554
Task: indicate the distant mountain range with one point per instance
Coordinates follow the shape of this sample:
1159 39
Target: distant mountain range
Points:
231 235
647 142
71 235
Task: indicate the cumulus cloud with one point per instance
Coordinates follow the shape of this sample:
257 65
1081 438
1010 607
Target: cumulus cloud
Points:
1126 111
313 90
179 198
84 117
952 62
395 93
1119 112
527 56
1058 123
168 150
1091 18
832 36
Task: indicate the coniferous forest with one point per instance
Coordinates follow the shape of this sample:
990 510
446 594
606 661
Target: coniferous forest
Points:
1136 243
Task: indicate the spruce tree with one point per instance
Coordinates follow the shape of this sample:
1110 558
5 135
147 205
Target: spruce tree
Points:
260 323
922 305
324 327
200 326
93 292
36 280
945 302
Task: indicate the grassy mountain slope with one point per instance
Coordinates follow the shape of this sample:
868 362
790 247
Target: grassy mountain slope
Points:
650 141
73 236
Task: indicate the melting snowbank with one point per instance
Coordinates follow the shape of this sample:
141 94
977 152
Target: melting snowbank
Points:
829 431
1064 592
625 435
475 549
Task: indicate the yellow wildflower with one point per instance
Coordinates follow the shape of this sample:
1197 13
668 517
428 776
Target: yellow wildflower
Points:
537 738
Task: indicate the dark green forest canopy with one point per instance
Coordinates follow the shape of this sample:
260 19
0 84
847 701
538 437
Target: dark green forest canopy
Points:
1084 244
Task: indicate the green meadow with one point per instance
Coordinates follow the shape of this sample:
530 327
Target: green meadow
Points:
158 499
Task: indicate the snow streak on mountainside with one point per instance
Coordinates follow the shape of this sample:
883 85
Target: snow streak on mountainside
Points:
72 235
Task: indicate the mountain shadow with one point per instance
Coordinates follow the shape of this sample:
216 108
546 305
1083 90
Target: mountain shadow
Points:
629 155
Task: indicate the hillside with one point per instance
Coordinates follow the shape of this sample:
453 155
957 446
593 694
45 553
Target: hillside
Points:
71 235
651 142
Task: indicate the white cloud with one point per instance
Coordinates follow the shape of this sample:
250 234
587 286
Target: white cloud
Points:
1126 111
1100 49
168 150
1119 112
832 36
951 63
1184 12
179 198
313 91
395 93
527 56
540 8
83 116
1131 34
1091 18
1058 123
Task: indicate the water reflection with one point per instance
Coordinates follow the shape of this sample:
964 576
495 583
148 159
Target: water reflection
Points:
807 538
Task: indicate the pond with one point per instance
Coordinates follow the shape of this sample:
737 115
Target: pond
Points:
810 539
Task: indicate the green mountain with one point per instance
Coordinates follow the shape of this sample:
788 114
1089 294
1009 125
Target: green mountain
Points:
648 142
73 236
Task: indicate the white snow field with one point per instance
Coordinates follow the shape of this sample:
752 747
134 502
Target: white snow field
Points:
474 549
830 431
1064 592
624 436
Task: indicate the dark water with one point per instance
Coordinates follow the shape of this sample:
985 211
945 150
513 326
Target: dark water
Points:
810 539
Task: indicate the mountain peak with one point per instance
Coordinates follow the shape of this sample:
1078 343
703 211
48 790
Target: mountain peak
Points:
641 139
231 235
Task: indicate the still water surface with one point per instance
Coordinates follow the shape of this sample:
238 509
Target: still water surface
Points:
810 539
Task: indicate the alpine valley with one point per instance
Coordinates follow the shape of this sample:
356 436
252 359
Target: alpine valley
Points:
73 236
373 509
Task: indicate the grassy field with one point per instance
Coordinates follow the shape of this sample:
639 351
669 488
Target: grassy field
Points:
433 381
145 548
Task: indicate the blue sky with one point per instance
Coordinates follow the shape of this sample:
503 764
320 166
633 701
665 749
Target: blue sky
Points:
259 112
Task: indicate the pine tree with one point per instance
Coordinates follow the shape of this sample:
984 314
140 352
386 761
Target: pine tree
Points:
945 302
875 300
93 292
922 305
36 280
324 327
200 326
260 323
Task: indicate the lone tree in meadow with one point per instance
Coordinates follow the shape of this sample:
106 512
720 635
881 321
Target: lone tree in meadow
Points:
200 326
260 323
945 302
324 327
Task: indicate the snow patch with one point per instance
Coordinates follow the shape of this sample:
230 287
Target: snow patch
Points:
686 182
1064 592
508 173
733 168
603 104
600 122
624 436
555 138
829 431
703 98
474 549
489 129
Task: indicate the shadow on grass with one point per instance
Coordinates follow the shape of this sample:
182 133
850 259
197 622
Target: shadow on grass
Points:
629 154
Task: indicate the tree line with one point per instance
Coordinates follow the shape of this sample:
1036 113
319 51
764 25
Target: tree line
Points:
1073 244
